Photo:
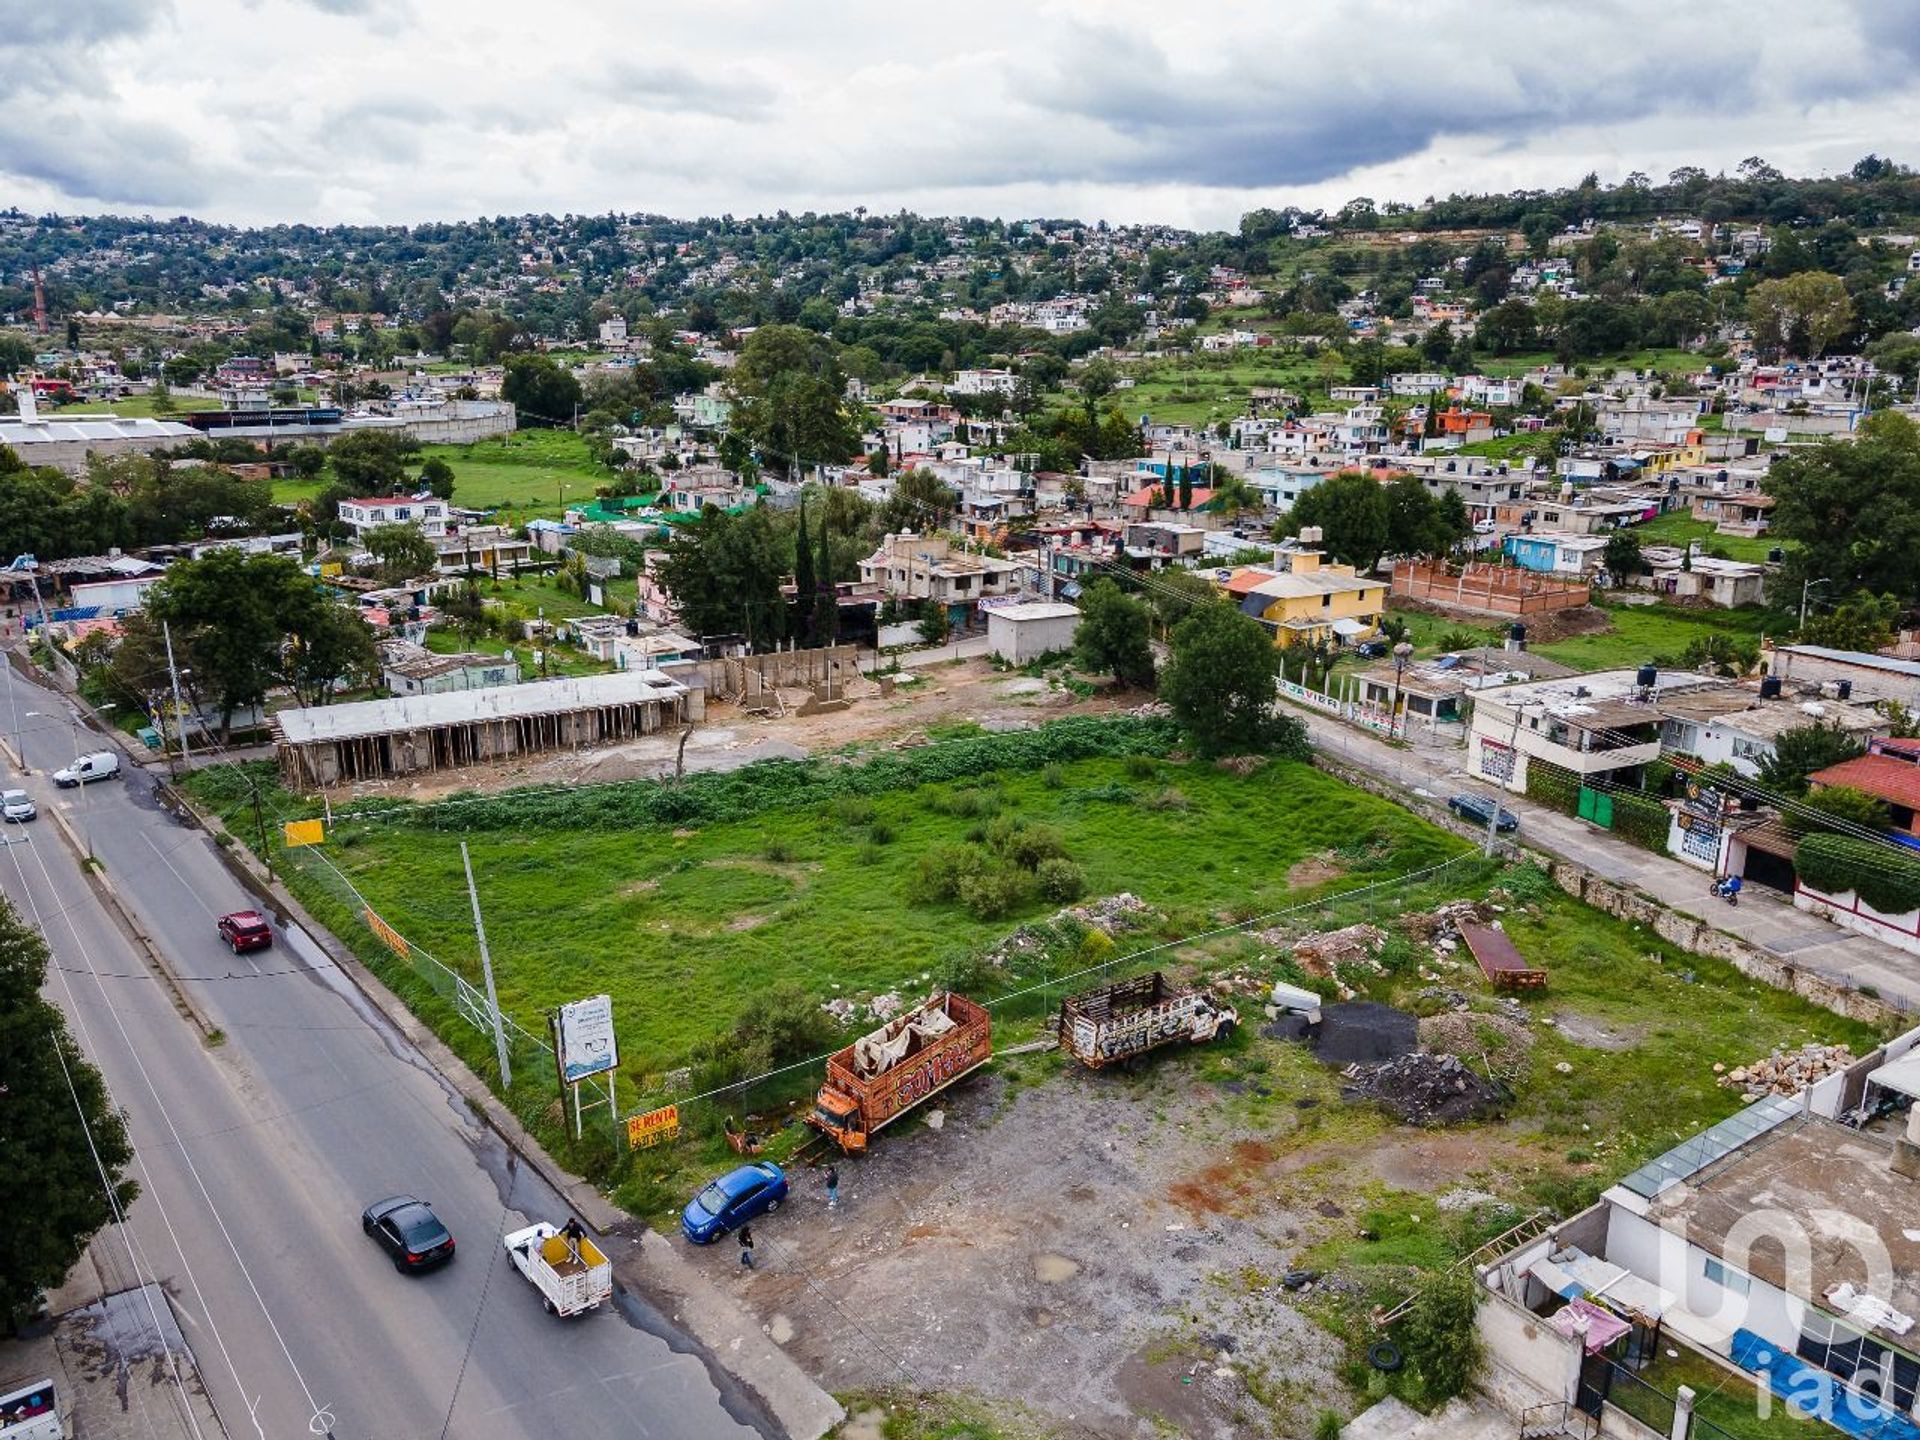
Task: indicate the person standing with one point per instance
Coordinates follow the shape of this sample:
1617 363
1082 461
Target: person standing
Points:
746 1247
833 1187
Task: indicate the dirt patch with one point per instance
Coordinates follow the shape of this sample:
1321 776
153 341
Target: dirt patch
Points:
1580 1030
1314 870
747 922
1033 1250
1436 1161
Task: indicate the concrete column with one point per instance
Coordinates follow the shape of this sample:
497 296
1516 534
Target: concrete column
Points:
1682 1412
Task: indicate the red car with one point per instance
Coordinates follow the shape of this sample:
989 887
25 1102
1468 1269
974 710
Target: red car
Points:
245 930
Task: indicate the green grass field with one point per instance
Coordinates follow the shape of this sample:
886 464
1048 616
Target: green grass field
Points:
681 928
1678 527
1643 632
528 475
1208 389
1674 361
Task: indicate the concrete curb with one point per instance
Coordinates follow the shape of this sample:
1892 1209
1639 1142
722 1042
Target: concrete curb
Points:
652 1267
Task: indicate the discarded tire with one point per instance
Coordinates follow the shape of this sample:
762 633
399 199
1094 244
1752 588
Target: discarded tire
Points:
1385 1356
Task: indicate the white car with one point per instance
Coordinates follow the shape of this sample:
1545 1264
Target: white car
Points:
16 807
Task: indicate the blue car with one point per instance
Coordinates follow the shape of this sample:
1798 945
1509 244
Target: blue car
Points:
732 1200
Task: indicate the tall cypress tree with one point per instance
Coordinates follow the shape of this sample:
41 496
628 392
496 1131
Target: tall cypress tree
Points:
1186 487
826 608
803 581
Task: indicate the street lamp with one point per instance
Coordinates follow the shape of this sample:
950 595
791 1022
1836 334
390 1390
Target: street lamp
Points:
86 796
1402 653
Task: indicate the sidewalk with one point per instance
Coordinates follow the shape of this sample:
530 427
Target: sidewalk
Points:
1763 919
114 1365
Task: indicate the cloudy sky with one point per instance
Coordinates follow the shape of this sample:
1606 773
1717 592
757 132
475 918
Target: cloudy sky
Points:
1188 113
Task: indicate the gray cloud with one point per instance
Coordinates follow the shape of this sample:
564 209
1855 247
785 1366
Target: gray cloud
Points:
660 85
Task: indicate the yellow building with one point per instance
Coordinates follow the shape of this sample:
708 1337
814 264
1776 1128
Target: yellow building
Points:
1311 601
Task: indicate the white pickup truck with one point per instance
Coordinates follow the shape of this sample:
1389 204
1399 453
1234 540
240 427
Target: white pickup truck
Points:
571 1275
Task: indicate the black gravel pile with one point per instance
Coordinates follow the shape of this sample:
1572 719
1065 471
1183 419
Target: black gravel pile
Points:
1365 1032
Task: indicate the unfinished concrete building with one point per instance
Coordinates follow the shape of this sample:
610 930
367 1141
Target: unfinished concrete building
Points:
381 739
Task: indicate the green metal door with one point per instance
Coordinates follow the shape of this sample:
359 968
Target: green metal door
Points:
1597 807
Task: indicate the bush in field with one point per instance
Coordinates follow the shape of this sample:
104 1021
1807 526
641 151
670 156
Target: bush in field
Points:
1031 846
938 875
996 892
1060 880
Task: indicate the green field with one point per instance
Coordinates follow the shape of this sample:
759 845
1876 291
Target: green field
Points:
1207 389
1643 632
1678 527
528 475
1673 361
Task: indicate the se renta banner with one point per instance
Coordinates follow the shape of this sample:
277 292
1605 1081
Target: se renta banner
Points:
586 1039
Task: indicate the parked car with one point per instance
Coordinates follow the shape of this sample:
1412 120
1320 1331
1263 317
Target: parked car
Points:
100 765
409 1231
1478 810
16 807
1371 649
732 1200
244 930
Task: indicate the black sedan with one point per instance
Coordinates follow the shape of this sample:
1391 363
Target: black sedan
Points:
409 1232
1478 810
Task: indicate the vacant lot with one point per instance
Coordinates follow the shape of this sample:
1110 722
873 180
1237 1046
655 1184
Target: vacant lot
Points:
1642 634
1679 527
1116 1244
528 475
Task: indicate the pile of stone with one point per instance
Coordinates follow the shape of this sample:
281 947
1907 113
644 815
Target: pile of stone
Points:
1442 923
1499 1043
1786 1072
1424 1089
1112 914
1325 954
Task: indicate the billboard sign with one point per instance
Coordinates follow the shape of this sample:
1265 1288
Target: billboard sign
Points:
586 1039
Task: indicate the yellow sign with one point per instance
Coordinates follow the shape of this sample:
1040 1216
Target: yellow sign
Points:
395 941
653 1127
304 832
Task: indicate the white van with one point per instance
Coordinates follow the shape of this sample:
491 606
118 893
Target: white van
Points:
101 765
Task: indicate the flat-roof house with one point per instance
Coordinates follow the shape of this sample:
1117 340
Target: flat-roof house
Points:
429 516
1600 727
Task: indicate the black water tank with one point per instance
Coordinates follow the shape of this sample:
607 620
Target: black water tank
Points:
1776 555
1517 634
1770 688
1843 689
1646 677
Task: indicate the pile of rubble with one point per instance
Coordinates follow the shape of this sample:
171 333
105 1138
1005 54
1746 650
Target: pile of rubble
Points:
1424 1089
881 1008
1501 1044
1113 914
1322 955
1786 1072
1443 922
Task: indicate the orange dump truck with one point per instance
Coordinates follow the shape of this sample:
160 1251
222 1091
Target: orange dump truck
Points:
881 1076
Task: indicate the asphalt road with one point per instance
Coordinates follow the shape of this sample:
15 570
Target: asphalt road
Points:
256 1157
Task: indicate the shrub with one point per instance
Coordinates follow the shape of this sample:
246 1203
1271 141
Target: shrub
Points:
853 809
779 852
1327 1427
1171 798
1060 881
1030 847
996 892
870 854
940 874
1142 767
1441 1341
1053 776
1878 874
880 833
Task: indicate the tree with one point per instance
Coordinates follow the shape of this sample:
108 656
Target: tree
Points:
826 604
1861 622
1839 808
1799 752
372 462
803 581
326 644
1801 314
436 476
307 461
50 1185
723 572
1421 523
920 501
1853 507
1233 495
1111 638
789 398
541 389
934 624
1219 682
1508 328
402 552
1622 556
1351 510
1441 1339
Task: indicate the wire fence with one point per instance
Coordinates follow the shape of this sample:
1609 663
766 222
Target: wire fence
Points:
1041 978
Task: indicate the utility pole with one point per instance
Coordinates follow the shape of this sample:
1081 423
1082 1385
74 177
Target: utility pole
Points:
1513 762
486 971
13 709
179 712
260 828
